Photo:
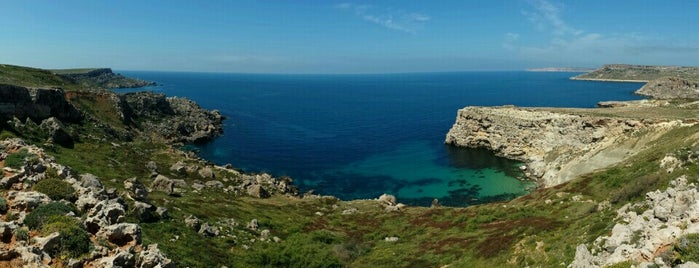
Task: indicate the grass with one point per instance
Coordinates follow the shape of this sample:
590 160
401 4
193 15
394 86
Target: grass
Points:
33 77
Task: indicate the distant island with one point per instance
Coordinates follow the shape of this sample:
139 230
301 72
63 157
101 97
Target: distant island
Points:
560 69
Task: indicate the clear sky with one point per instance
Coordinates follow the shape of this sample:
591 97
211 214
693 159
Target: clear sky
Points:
314 36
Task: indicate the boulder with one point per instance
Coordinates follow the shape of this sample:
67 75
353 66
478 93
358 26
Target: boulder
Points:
7 229
193 222
151 257
105 213
56 132
162 212
26 200
214 184
206 173
179 168
163 184
135 189
253 225
258 191
121 233
208 230
144 212
152 166
387 199
88 180
48 243
122 258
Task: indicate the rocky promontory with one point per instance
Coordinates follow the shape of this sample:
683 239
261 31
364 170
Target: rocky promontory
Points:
670 88
103 78
555 146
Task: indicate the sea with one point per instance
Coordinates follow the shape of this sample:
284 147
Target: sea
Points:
360 136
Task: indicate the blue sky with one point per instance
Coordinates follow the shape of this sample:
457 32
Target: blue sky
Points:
346 36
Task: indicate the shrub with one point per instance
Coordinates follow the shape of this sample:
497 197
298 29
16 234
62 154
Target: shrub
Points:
3 205
22 234
17 160
688 248
36 219
56 189
299 250
75 240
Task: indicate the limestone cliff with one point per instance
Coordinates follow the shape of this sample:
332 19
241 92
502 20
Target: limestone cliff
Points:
670 88
555 146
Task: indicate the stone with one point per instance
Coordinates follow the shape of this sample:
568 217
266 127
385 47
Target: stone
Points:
350 211
56 132
107 212
152 166
258 191
88 180
144 212
163 184
387 199
583 258
391 239
264 234
253 225
135 189
48 243
214 184
122 258
26 200
179 168
208 230
151 257
206 173
193 222
162 213
121 233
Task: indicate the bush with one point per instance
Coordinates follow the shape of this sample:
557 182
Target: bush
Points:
37 218
75 240
22 234
687 248
299 250
3 205
17 160
56 189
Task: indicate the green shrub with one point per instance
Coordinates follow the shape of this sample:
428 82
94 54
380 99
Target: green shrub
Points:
3 205
37 218
22 234
56 189
17 160
300 250
75 240
688 248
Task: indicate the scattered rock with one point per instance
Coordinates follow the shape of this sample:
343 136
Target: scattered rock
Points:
193 222
208 230
28 200
258 191
105 213
144 212
48 243
391 239
387 199
136 190
152 166
179 168
163 184
350 211
214 184
206 173
253 225
151 257
121 233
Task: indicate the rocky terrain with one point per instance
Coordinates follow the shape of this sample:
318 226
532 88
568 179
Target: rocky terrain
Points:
554 146
670 88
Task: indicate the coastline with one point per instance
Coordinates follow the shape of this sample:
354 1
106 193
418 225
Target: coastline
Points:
609 80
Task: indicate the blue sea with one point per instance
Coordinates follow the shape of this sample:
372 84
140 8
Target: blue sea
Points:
359 136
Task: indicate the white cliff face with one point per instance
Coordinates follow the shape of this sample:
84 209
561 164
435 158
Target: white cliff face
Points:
641 237
556 147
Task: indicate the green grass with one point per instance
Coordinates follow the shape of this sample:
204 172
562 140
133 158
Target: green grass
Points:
33 77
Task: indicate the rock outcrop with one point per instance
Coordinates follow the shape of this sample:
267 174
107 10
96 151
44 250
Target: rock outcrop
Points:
102 220
36 103
103 78
175 119
555 146
670 88
646 229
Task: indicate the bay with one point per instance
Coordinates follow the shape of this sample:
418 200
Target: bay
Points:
358 136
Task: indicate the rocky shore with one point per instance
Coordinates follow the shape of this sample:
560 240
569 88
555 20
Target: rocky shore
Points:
555 147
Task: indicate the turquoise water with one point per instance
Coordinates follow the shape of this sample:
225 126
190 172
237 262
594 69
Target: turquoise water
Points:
358 136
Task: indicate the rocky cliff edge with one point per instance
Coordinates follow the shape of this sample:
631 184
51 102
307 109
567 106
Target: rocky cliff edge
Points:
555 147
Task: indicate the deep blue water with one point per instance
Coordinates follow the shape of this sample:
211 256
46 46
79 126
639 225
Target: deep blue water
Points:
358 136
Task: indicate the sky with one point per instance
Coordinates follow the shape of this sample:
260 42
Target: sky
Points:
314 36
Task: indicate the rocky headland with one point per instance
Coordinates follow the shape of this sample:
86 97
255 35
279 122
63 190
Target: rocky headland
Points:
103 78
554 145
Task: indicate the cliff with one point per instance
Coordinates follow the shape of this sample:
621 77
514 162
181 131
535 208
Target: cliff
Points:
102 78
555 146
670 88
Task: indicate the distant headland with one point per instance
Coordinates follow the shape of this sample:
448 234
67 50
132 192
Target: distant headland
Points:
561 69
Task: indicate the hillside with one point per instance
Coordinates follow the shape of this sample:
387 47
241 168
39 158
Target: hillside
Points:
203 215
639 73
68 79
